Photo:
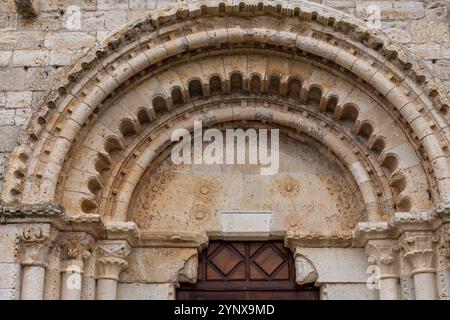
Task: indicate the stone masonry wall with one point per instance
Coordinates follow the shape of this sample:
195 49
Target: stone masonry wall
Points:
34 50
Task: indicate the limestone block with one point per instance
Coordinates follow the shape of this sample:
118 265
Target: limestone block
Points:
30 58
8 236
134 15
8 21
442 69
145 291
115 19
347 291
68 40
347 6
39 78
436 10
138 4
61 57
93 21
398 31
5 57
338 264
427 51
399 10
8 138
156 265
12 79
246 224
18 100
7 117
52 5
9 275
112 4
7 6
21 40
21 116
429 31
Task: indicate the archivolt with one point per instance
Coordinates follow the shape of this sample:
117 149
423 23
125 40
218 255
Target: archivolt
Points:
299 31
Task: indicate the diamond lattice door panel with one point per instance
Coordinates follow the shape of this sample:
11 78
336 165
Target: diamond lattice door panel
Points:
246 270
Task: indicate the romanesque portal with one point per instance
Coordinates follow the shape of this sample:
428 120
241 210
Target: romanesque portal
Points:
94 208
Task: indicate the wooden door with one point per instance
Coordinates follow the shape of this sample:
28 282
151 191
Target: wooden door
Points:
246 271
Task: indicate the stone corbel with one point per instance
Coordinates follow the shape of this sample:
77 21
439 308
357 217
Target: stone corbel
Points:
28 8
188 273
305 272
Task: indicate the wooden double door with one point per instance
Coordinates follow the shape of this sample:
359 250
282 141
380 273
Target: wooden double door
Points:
246 271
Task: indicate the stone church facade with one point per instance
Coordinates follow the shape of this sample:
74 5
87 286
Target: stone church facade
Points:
92 207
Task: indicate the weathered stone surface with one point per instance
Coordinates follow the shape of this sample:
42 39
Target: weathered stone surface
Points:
145 264
112 4
398 31
67 41
12 78
8 21
398 10
21 40
30 58
430 31
9 135
5 58
341 291
145 291
373 151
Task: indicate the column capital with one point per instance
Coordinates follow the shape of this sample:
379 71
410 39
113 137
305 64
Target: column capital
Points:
77 245
385 255
34 244
418 250
111 258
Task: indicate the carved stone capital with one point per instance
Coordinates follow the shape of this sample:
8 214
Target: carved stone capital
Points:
34 244
385 255
305 272
418 250
111 258
77 245
28 8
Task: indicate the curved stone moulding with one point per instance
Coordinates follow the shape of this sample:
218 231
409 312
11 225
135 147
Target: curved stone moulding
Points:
412 96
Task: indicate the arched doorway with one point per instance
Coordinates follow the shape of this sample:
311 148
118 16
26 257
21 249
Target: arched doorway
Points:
246 271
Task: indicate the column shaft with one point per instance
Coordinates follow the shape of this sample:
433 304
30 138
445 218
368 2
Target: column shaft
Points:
33 282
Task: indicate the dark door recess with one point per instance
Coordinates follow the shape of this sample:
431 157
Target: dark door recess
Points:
246 271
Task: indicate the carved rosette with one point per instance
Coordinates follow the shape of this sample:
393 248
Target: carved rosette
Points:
385 255
34 245
111 258
418 250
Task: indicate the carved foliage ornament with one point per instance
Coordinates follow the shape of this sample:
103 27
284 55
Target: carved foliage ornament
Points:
111 257
77 245
34 246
